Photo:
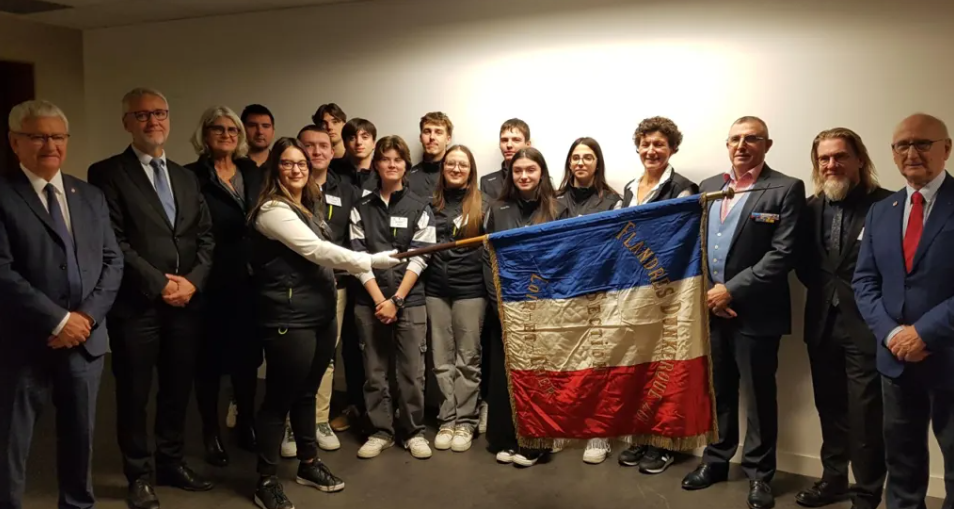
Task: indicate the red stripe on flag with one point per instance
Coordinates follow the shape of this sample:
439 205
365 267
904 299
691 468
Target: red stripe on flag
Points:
668 398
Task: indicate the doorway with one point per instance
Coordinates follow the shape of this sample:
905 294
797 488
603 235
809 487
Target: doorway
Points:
16 86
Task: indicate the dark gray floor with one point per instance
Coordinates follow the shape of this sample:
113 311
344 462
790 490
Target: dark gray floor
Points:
395 480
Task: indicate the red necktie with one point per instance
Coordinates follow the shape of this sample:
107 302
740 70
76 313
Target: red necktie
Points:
915 226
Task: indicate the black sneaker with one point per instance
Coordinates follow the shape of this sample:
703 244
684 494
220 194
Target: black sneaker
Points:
318 476
656 461
631 457
270 495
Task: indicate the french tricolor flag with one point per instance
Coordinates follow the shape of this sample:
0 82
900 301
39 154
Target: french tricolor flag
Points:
605 327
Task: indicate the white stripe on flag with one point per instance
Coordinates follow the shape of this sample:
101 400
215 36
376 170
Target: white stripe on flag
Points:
609 329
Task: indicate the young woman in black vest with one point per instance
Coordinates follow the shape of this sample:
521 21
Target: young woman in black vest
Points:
527 198
390 314
584 189
656 139
456 298
292 261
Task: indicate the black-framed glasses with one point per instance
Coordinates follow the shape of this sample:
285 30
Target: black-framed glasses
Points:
143 115
41 139
221 130
750 139
288 165
586 158
921 146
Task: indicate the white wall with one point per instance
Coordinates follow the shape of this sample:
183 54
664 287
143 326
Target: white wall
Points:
570 69
57 57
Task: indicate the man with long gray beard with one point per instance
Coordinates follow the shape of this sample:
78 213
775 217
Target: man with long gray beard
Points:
841 347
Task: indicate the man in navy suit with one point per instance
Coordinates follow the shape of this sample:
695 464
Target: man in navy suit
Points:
60 270
903 289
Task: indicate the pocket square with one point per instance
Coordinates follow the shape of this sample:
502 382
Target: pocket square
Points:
764 217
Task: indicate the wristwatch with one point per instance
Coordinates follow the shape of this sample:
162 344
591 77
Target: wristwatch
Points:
398 302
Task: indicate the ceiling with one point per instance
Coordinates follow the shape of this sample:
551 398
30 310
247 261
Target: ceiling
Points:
89 14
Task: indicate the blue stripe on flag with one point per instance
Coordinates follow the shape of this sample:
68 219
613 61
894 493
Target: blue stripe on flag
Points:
655 243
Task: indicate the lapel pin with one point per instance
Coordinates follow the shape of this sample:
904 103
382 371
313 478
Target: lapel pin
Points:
72 189
895 204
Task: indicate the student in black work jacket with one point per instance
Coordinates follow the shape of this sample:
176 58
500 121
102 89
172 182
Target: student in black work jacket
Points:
584 189
456 299
390 314
526 198
292 261
230 184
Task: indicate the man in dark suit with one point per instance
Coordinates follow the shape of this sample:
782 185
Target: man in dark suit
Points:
60 270
164 229
841 349
751 249
903 287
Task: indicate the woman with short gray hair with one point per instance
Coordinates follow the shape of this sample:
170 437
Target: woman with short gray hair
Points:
230 185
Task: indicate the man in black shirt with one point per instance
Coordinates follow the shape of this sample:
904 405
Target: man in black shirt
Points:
436 132
260 130
359 136
514 135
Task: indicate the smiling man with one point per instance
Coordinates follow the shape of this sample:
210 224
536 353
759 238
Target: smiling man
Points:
841 348
164 229
902 285
436 133
751 249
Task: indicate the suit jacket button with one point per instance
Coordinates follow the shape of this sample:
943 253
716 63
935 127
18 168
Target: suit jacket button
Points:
62 267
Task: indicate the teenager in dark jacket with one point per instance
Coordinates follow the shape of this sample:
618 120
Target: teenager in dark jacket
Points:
584 189
292 262
526 198
436 132
230 184
656 139
456 299
390 313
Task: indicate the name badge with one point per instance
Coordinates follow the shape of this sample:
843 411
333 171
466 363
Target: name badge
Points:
763 217
333 200
862 234
398 222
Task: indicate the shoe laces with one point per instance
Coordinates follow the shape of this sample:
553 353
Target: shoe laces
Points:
322 472
275 492
376 442
325 429
289 434
598 443
417 442
653 454
446 431
461 431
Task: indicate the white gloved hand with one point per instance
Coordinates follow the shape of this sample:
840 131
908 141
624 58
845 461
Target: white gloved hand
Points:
385 260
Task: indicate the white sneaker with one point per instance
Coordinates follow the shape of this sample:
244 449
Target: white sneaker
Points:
374 446
231 418
289 447
527 460
419 448
596 451
463 438
506 456
482 420
327 440
558 445
442 441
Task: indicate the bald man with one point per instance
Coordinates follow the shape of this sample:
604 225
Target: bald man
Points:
903 289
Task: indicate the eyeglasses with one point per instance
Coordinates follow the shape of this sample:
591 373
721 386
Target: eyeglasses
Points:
586 158
220 130
289 165
750 139
901 148
460 165
40 139
143 116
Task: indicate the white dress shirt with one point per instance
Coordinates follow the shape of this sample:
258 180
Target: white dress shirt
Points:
146 161
39 185
277 221
929 193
